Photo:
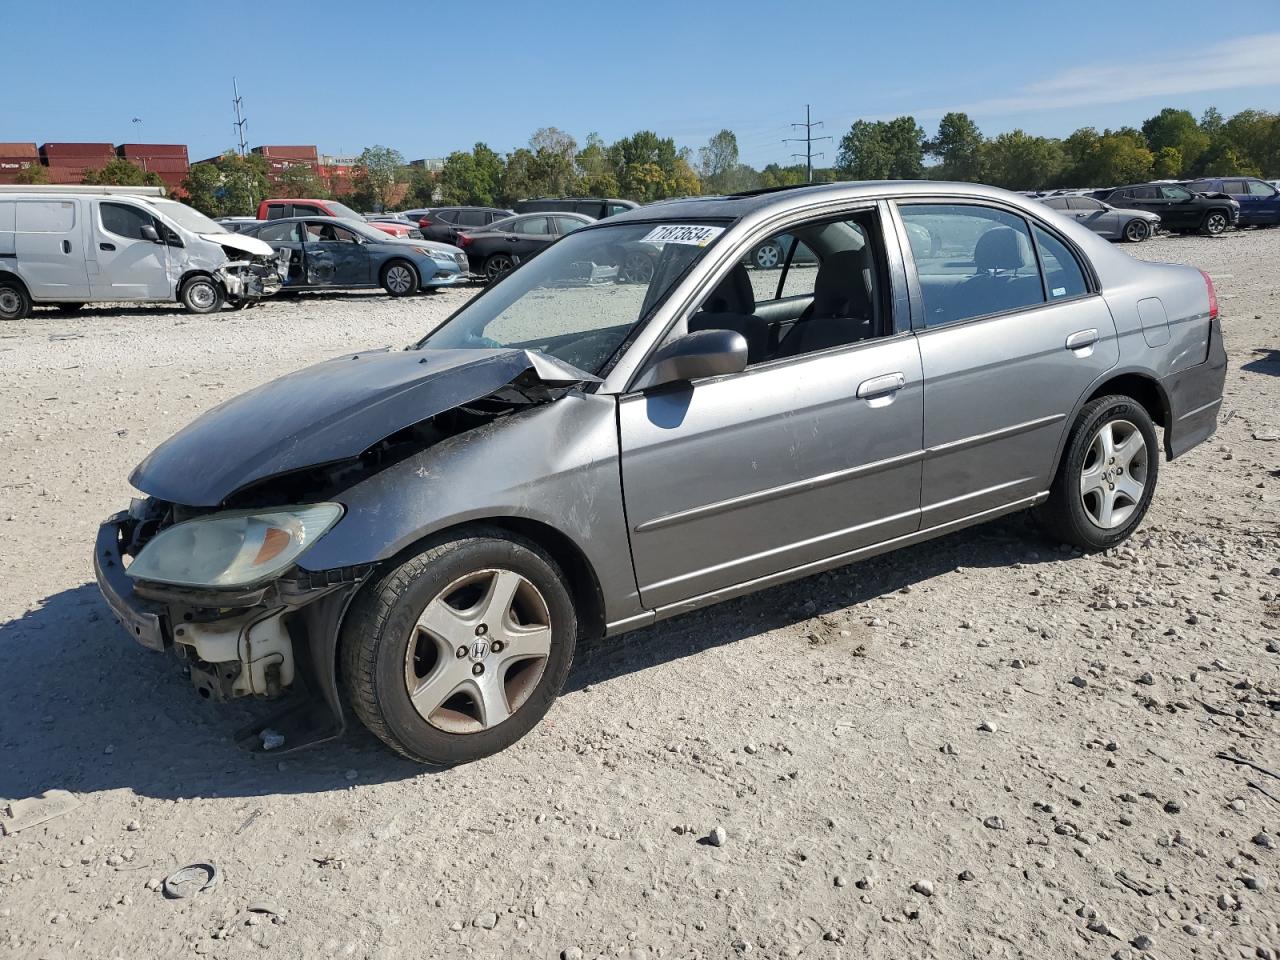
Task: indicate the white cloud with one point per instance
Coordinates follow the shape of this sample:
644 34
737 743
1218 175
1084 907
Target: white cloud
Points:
1249 62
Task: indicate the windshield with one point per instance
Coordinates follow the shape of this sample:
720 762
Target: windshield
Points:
343 211
580 299
189 218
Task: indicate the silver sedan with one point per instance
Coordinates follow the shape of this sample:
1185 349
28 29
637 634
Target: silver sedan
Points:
426 534
1114 223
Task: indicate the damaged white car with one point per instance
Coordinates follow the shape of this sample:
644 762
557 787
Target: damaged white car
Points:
94 244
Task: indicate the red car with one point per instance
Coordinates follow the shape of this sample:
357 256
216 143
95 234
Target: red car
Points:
276 209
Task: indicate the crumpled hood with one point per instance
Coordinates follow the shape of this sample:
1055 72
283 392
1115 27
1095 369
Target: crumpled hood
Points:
332 411
238 241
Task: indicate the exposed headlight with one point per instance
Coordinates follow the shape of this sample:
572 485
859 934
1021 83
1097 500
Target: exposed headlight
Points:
237 548
441 256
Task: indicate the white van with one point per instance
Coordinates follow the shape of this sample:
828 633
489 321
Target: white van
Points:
71 246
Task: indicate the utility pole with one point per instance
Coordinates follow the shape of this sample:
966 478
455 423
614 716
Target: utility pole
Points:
238 103
808 140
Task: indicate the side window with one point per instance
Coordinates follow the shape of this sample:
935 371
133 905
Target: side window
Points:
1258 188
341 235
279 233
533 225
976 261
494 217
43 216
1084 203
1057 203
124 220
767 258
275 211
595 210
1234 187
617 208
568 225
506 227
308 210
470 218
1063 277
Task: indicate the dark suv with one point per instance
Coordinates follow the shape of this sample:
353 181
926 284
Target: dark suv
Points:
1259 201
595 207
443 224
1180 210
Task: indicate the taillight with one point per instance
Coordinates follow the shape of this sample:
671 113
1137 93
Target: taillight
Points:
464 240
1213 295
424 223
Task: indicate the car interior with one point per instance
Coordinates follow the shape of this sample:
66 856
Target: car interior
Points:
837 300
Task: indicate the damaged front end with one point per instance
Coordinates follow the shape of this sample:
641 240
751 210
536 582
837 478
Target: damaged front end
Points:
253 278
206 566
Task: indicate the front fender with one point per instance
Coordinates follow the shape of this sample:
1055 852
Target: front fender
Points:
556 464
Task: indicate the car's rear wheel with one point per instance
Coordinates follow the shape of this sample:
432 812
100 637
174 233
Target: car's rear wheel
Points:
14 302
399 278
461 650
1215 222
498 265
1135 231
201 295
1107 476
767 256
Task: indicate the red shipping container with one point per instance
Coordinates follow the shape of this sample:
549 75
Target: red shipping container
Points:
160 164
17 163
79 151
131 151
25 150
66 175
290 152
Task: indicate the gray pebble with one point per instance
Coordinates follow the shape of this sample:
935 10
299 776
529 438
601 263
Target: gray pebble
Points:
923 887
717 837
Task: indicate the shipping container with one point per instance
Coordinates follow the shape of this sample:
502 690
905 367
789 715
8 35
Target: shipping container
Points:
77 152
25 150
289 152
161 164
135 151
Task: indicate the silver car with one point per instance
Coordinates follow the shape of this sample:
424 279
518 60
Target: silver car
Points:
425 534
1105 220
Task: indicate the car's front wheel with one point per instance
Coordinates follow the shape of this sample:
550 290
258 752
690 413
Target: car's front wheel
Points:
1135 231
461 650
201 295
1215 222
1107 475
399 278
767 256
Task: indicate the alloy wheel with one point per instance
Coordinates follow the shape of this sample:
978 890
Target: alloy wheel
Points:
478 650
1137 231
497 266
768 256
1114 475
637 268
399 279
1216 223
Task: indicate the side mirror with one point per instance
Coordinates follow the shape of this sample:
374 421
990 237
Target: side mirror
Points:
706 353
149 233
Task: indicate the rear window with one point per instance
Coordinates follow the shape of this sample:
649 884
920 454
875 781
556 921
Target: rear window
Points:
1063 277
470 218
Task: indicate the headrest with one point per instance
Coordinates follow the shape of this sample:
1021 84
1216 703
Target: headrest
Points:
734 294
1000 248
840 288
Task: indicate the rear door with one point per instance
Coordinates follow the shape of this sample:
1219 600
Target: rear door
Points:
1263 202
130 266
1007 349
44 242
530 236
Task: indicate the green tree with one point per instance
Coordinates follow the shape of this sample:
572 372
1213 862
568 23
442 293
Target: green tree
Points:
230 186
422 188
882 150
378 170
1176 129
958 147
1255 137
119 172
1169 163
1211 121
471 178
776 175
648 167
718 162
1019 161
35 173
301 180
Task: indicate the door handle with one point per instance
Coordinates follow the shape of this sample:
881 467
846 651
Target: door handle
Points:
878 386
66 246
1081 339
513 239
106 246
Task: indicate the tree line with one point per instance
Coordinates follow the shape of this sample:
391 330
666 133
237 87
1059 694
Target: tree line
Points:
1172 144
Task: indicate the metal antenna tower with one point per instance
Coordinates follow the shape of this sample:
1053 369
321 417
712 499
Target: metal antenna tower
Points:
238 103
808 141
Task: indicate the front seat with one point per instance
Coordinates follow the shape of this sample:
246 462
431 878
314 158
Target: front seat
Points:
842 309
732 306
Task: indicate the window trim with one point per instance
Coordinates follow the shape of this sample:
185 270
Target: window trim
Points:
147 214
916 294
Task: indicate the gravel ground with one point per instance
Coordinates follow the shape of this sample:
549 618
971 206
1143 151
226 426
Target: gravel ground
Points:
983 746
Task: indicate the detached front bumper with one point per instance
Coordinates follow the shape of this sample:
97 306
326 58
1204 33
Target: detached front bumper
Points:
267 642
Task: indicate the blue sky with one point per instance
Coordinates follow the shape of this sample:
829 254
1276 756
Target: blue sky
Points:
427 78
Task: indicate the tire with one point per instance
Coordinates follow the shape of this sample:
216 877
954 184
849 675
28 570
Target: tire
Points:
1098 498
201 294
497 266
767 256
68 307
15 304
1135 231
1215 222
405 632
399 278
636 268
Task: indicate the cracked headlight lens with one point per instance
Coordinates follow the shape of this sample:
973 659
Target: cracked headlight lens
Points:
238 548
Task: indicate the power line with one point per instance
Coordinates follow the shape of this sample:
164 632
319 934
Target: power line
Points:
238 103
807 140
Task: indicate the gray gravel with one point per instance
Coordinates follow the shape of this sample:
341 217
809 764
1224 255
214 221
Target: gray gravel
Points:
1121 816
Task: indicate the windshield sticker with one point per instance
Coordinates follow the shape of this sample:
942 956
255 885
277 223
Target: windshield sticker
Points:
689 234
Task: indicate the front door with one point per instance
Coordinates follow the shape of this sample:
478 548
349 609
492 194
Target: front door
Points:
129 265
47 246
810 454
1007 349
285 237
335 256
